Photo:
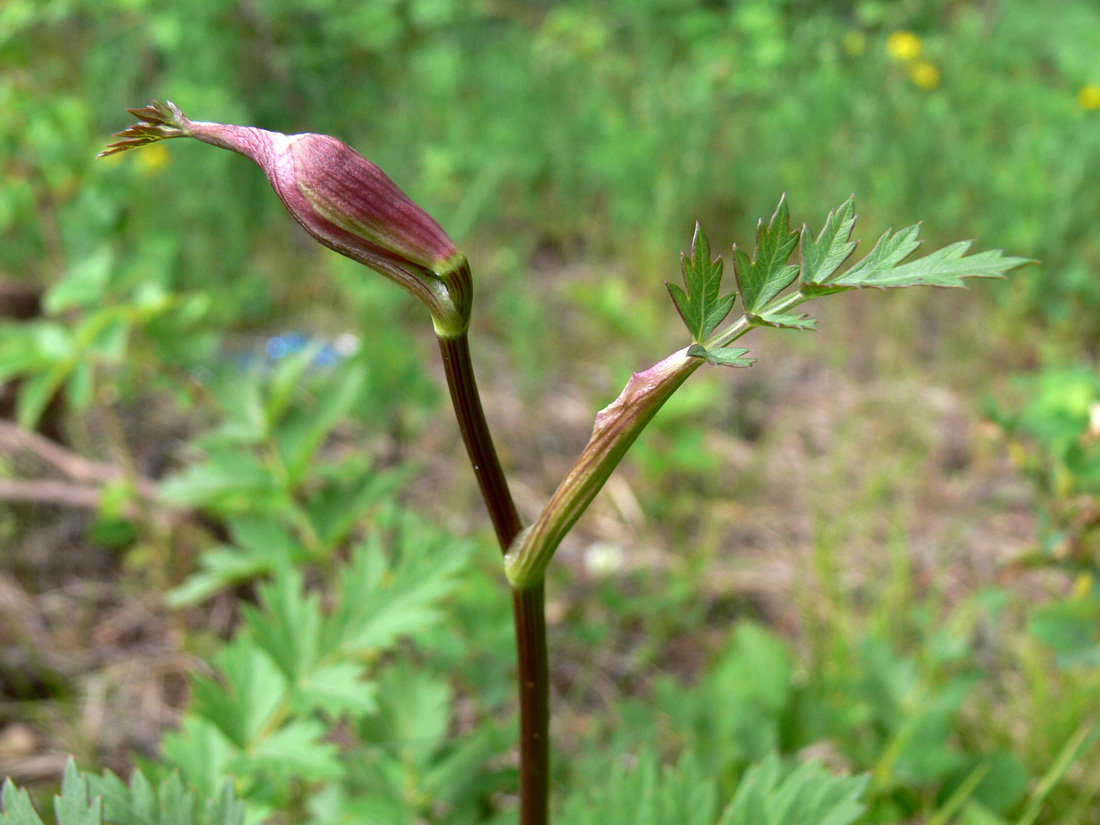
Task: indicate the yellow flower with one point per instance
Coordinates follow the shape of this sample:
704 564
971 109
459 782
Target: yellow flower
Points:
853 43
925 75
1082 586
903 46
153 159
1088 98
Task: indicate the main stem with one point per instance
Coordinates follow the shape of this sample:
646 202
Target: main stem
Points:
529 615
528 609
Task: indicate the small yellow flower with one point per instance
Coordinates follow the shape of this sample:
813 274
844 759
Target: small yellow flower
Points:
1088 98
153 159
924 74
853 43
903 46
1082 586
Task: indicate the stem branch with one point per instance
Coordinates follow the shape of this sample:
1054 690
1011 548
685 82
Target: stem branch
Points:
615 429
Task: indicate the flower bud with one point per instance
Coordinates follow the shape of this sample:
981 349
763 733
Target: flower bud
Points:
341 199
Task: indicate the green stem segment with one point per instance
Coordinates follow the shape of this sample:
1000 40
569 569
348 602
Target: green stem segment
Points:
528 602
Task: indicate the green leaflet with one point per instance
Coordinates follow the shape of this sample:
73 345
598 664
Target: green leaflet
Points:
18 808
823 257
76 805
769 319
945 267
767 273
701 307
721 356
770 793
646 793
883 266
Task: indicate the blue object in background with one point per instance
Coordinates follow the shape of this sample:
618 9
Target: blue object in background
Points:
328 353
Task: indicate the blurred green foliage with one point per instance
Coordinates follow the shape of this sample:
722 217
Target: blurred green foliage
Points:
589 129
1055 439
609 124
1054 436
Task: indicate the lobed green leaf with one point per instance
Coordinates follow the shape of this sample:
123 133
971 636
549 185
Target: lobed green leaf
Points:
946 267
298 751
823 257
287 623
246 697
382 600
701 306
16 807
767 273
884 265
75 805
200 752
91 799
807 795
337 689
646 793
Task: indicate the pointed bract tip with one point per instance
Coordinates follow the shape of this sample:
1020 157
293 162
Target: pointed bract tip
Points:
157 121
